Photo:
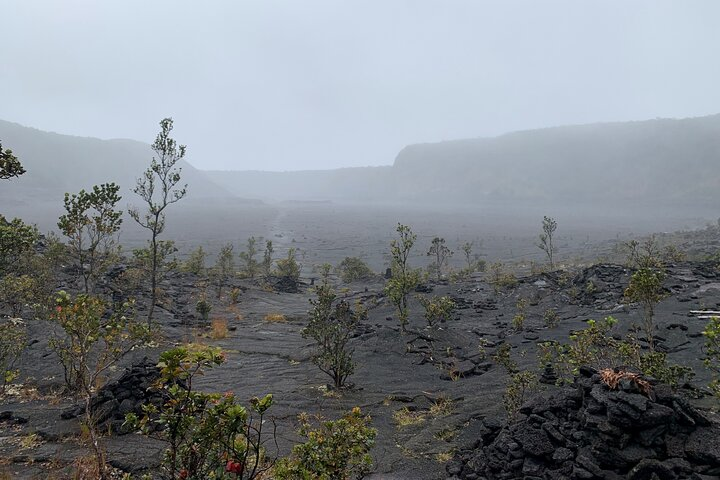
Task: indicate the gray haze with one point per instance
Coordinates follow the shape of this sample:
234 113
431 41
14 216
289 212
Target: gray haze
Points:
289 85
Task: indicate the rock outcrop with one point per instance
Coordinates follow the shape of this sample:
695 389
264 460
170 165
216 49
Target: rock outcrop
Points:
590 431
126 395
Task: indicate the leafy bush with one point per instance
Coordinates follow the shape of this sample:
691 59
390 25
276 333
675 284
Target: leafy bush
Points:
17 241
503 358
196 262
518 390
92 340
17 291
288 267
596 347
712 352
334 450
203 308
353 269
92 344
437 309
646 288
13 339
209 435
519 318
501 279
551 318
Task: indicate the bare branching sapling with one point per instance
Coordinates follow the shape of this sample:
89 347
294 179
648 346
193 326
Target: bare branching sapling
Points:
159 187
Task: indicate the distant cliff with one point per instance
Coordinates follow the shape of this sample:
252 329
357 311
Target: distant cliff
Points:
650 163
653 162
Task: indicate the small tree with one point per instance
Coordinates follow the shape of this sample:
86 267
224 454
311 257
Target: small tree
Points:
247 258
267 261
441 253
91 224
92 343
13 339
196 262
331 326
646 288
209 435
437 309
224 268
404 279
159 188
10 166
549 225
520 387
645 254
337 450
203 308
288 267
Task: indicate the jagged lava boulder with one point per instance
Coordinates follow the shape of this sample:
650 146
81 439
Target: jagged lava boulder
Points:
590 431
127 394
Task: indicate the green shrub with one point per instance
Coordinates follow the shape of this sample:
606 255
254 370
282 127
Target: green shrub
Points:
17 291
712 352
519 318
209 435
501 279
437 309
13 339
503 358
288 267
518 390
17 241
597 348
551 318
92 344
334 450
203 308
646 289
353 269
196 261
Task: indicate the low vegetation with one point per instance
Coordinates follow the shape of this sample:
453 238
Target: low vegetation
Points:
209 435
353 269
404 279
335 449
331 325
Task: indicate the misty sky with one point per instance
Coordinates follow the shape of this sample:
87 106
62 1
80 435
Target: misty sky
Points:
305 84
